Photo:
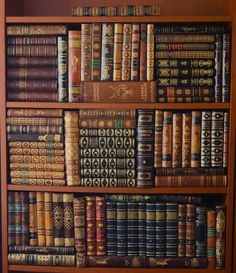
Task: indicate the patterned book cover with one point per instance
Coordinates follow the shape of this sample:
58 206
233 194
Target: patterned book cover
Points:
177 140
220 236
33 238
117 55
171 230
158 139
132 229
108 113
206 139
141 228
25 219
201 229
194 54
226 68
111 228
167 139
135 52
185 92
150 51
191 28
121 214
68 218
126 52
145 147
196 139
182 230
33 73
74 65
100 226
191 230
106 123
177 63
56 113
191 171
107 52
24 129
58 219
48 219
50 250
11 219
150 229
86 51
186 140
72 147
160 229
62 52
211 239
218 67
34 121
28 30
79 230
19 61
226 140
143 53
217 139
37 40
180 199
40 218
96 52
91 225
186 82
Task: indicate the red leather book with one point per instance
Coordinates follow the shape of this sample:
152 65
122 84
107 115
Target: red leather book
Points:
100 226
91 225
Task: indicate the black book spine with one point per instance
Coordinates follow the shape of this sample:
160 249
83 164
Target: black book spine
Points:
226 68
218 68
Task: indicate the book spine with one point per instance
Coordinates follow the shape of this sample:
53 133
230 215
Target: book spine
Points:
34 30
117 56
171 230
186 140
167 139
72 147
211 239
35 137
100 226
145 147
192 28
150 229
111 228
91 225
112 123
48 219
218 67
185 63
107 113
25 219
226 140
24 95
33 73
18 217
226 68
160 230
142 228
28 62
32 50
96 52
33 238
177 140
191 230
196 139
185 82
158 139
41 250
191 171
86 51
58 219
182 230
39 86
135 52
126 52
74 65
62 48
206 139
40 219
36 145
150 51
36 129
36 40
34 121
36 159
220 236
201 228
11 219
143 53
185 46
121 214
194 54
180 199
57 113
132 229
68 219
217 139
107 52
185 73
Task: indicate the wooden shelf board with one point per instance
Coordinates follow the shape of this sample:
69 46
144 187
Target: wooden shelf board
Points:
25 268
122 19
157 190
66 105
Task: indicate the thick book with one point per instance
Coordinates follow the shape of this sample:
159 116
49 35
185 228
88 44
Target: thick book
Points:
107 113
100 226
211 238
117 54
28 30
32 40
32 50
185 38
62 48
41 219
96 52
68 219
135 52
167 139
48 219
142 227
126 52
150 51
86 51
32 73
56 113
143 53
90 203
171 230
177 140
196 139
220 236
182 230
27 62
191 230
127 92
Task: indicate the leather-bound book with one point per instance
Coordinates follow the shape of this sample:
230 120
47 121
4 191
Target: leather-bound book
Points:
126 52
226 68
32 73
117 55
177 140
132 229
11 219
220 236
50 250
141 228
57 113
145 147
34 121
33 238
62 47
180 198
121 214
111 231
107 113
100 226
150 229
68 218
182 230
201 231
32 86
196 139
177 63
107 52
25 62
167 139
86 51
185 73
48 219
32 40
119 91
160 229
218 67
211 239
96 52
24 129
25 219
217 139
206 139
79 230
158 139
171 230
35 137
91 225
112 123
191 171
186 140
35 30
192 28
72 147
24 95
143 53
186 82
226 140
18 217
40 218
74 65
150 51
191 230
135 52
58 219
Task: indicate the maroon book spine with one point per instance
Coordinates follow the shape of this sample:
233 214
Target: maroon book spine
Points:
91 225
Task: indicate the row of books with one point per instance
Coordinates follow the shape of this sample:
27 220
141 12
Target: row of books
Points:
114 225
109 147
174 63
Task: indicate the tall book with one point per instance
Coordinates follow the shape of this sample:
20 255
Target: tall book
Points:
18 217
143 53
171 230
201 228
126 52
11 219
150 229
117 55
48 219
100 226
220 236
182 230
142 228
191 230
25 219
111 228
90 203
177 140
226 68
96 52
135 52
132 229
186 140
218 67
196 139
167 139
160 229
211 238
158 139
121 214
226 139
68 219
33 238
40 219
150 51
62 48
206 139
86 50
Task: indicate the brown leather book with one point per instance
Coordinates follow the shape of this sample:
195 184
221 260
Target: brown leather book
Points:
107 123
226 140
36 159
41 219
107 113
14 61
220 236
20 151
33 238
48 218
91 225
211 239
177 140
34 113
186 140
158 139
23 30
33 73
100 226
32 40
150 52
32 50
96 52
191 230
68 216
23 95
126 52
135 52
196 139
37 167
35 145
143 53
118 91
32 86
117 56
181 230
167 139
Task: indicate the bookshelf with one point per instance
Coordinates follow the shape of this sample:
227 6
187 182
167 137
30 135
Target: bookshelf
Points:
54 11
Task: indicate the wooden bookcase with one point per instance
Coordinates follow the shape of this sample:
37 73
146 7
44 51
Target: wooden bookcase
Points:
58 11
